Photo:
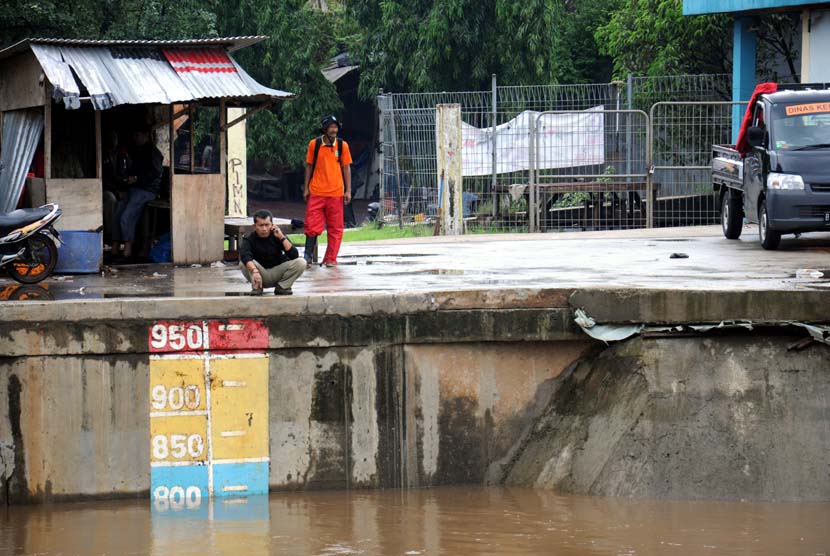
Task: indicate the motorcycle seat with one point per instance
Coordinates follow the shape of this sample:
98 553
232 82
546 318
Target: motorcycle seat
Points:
20 217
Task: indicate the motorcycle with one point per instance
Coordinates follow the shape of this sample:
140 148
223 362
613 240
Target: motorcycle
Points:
29 243
372 212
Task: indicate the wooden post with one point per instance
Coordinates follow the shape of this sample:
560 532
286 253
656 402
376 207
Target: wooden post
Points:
99 157
47 137
192 128
223 136
237 185
450 179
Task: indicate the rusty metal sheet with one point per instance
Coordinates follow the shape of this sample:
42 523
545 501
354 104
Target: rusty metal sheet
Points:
59 74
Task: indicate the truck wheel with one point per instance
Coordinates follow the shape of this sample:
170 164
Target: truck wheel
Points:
732 214
770 239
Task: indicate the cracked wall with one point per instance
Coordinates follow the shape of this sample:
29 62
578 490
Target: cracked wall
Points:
722 417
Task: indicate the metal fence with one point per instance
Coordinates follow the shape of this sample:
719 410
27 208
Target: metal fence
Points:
500 124
682 137
605 182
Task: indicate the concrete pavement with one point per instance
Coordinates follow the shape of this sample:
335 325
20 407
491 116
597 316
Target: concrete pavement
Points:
638 259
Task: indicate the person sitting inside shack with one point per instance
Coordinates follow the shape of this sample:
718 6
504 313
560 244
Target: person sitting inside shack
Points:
268 259
144 181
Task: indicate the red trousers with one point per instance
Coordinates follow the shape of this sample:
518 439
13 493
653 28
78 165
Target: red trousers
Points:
325 212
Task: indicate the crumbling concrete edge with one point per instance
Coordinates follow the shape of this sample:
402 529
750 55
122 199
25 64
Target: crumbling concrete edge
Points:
683 307
345 305
605 304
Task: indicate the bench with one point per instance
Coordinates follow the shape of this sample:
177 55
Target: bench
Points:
591 209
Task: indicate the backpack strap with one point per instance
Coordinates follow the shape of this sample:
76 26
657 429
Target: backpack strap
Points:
317 144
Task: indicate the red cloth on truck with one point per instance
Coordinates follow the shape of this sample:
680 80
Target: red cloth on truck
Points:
742 146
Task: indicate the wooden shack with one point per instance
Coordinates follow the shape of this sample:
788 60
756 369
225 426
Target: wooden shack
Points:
67 106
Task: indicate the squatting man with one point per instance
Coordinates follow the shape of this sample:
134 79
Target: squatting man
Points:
268 259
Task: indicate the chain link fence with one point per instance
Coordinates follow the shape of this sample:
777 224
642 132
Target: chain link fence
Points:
603 192
682 137
590 170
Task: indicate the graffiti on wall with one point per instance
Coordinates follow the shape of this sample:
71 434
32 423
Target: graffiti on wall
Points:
237 165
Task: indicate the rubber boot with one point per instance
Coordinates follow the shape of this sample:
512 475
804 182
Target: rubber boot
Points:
310 246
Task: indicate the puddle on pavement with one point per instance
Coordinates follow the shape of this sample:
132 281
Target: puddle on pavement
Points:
30 292
379 262
453 520
383 258
442 271
434 272
387 255
122 295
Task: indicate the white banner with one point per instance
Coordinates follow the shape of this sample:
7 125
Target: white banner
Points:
562 141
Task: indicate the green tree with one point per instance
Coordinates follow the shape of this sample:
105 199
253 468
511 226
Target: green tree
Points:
98 19
653 37
20 19
301 41
156 19
586 62
777 37
420 45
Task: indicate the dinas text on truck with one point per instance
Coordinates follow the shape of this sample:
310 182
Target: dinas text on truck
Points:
778 173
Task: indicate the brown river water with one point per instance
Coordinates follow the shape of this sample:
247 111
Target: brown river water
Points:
437 521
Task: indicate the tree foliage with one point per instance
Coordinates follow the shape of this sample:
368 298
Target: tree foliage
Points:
301 41
586 62
653 37
97 19
416 45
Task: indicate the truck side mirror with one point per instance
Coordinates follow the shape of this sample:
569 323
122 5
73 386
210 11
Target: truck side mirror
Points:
755 136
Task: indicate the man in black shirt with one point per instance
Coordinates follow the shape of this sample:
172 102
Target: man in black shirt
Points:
144 179
267 258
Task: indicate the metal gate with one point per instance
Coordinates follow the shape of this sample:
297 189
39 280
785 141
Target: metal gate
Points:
682 135
590 170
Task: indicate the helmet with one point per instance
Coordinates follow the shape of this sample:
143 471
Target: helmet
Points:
328 120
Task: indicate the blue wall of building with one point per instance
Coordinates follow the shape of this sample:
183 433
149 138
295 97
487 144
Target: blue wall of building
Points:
696 7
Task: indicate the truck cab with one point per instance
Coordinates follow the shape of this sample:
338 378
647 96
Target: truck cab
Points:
782 180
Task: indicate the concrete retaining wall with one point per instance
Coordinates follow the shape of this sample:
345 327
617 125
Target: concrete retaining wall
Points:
356 400
724 417
348 417
429 389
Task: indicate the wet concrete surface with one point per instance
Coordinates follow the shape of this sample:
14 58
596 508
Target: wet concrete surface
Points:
427 522
635 259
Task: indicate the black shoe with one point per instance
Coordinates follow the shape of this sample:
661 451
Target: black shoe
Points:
283 291
310 246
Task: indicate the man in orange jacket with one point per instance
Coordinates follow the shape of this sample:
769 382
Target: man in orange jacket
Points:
328 185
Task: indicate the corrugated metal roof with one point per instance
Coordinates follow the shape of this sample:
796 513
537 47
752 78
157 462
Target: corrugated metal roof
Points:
134 73
206 72
231 44
334 73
